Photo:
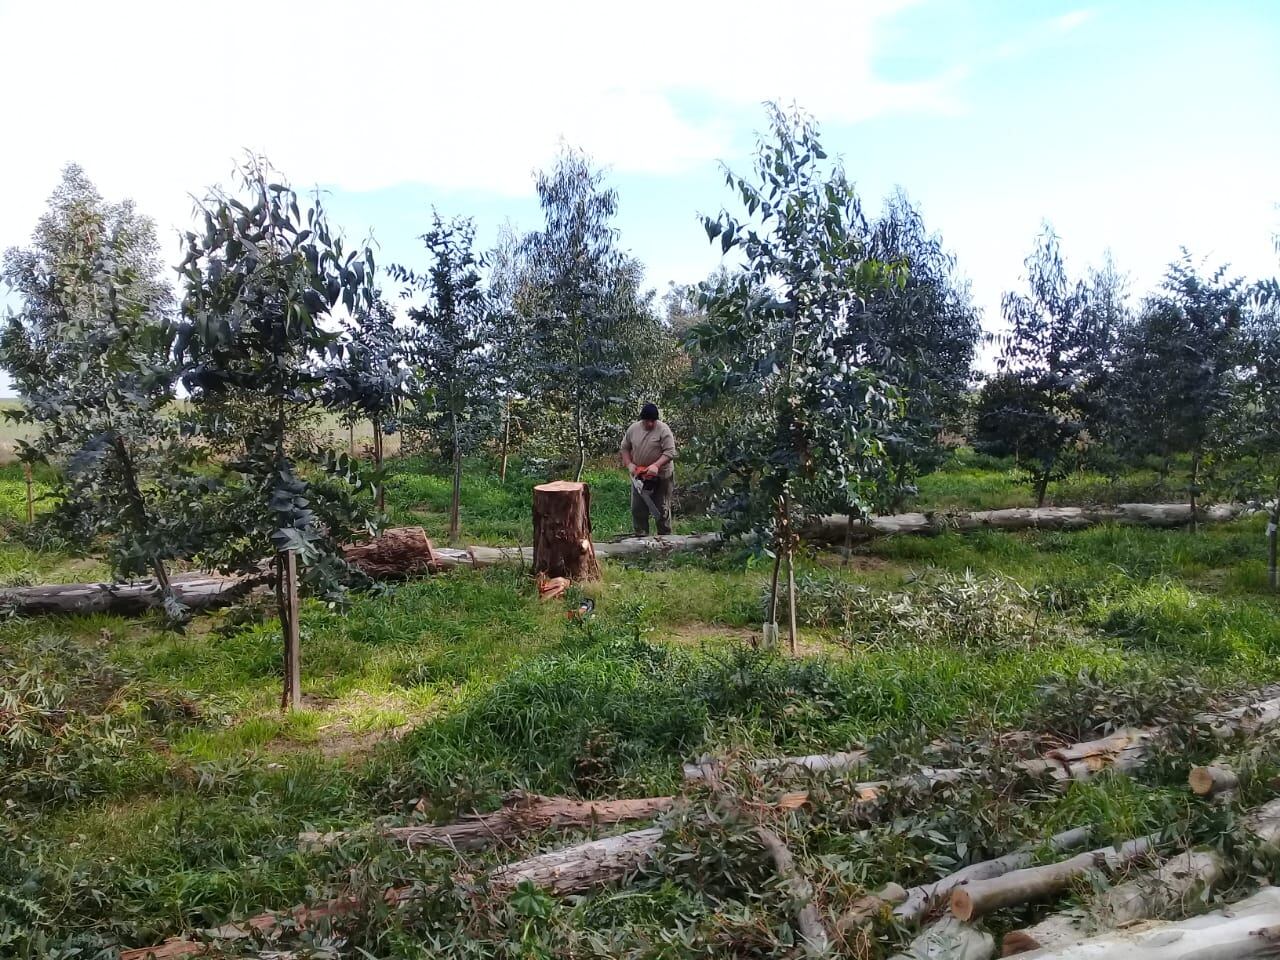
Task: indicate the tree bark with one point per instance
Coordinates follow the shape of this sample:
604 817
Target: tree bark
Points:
506 440
380 499
31 498
1171 886
1250 928
1272 527
582 867
1193 488
455 502
1039 883
562 544
791 597
709 770
287 606
520 815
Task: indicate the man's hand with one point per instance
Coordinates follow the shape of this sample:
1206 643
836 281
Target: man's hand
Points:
651 471
635 469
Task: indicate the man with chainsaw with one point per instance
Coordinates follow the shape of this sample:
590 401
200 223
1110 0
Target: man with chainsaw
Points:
648 452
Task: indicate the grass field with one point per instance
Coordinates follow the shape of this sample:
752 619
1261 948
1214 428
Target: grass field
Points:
154 787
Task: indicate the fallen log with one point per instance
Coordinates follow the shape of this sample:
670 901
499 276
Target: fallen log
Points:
520 815
813 932
709 770
582 867
919 901
402 552
835 529
1039 883
1244 930
1153 895
1214 779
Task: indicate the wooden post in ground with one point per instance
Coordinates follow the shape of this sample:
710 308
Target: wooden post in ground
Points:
562 544
287 598
31 496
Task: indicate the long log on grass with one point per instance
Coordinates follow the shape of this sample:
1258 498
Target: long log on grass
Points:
710 770
1151 896
197 591
1244 930
519 816
1039 883
835 529
582 867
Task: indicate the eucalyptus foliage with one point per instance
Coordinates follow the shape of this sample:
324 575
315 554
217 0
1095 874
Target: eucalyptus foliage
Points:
1179 367
1049 354
89 352
584 307
262 282
787 345
452 347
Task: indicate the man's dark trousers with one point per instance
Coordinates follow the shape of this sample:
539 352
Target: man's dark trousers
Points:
659 491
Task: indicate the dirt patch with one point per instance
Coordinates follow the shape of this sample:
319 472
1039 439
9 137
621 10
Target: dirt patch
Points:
341 743
861 562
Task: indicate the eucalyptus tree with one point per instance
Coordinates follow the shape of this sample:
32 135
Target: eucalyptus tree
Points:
582 299
452 346
508 294
927 327
807 415
1049 353
262 282
1179 366
88 351
371 380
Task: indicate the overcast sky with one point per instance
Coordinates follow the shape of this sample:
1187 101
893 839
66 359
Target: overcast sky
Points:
1135 125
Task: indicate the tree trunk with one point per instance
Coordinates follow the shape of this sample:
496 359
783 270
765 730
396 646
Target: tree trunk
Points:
791 596
351 438
911 906
287 605
562 544
506 441
770 627
582 867
1040 883
709 770
1272 527
1212 780
381 493
1171 886
520 815
1241 931
31 498
455 502
1193 488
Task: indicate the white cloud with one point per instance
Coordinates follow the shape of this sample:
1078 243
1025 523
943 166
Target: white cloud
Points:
157 99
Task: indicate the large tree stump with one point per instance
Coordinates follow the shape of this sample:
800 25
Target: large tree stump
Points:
562 531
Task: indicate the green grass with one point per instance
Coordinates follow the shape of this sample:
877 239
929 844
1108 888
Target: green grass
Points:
174 799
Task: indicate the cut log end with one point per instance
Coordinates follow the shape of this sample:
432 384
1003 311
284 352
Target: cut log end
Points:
962 905
1211 780
1016 942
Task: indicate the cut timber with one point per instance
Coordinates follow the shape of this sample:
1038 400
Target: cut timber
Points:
949 939
582 867
1039 883
835 529
799 891
562 544
1248 929
920 901
1170 887
1123 750
197 591
576 869
395 554
1212 780
1245 720
709 770
520 815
